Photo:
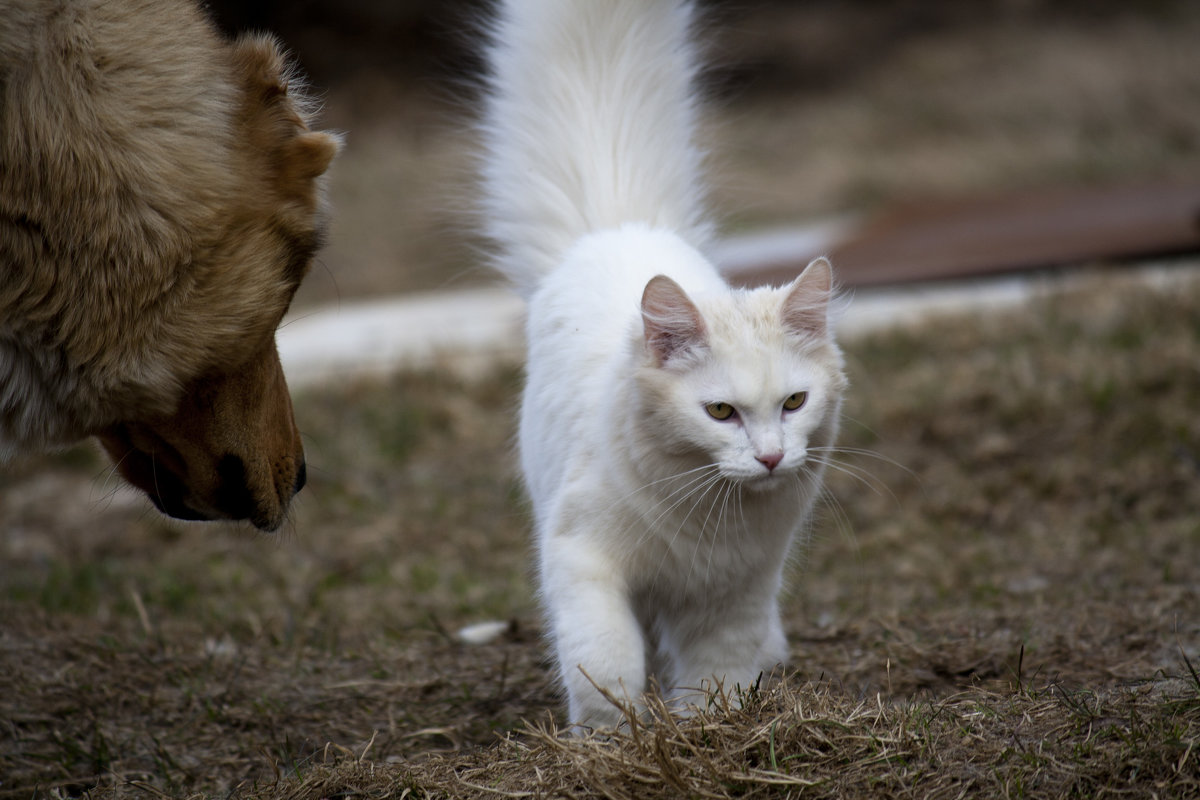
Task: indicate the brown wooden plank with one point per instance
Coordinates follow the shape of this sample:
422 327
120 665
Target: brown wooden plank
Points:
946 240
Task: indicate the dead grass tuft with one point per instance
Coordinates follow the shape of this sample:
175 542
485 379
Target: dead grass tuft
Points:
806 739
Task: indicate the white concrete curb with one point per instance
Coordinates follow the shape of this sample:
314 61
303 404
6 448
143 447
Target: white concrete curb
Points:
465 331
469 331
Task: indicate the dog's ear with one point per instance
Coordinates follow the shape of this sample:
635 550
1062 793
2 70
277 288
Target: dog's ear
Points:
262 70
274 116
309 154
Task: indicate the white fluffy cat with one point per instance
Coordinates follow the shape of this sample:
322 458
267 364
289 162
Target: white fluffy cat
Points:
672 427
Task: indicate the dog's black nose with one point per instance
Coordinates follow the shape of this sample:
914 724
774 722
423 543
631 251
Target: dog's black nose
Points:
233 495
301 477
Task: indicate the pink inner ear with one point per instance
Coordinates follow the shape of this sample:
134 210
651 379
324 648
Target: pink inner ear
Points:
671 322
806 308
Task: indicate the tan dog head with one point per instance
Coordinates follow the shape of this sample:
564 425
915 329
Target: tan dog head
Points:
227 446
160 203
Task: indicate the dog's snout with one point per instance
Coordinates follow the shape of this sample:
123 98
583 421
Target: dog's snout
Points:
241 494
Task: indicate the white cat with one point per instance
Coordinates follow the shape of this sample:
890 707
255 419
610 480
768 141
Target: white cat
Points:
672 428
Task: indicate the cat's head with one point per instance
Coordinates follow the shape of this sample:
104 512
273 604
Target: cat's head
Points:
747 380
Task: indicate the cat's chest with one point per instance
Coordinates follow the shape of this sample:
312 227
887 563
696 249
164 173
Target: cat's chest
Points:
725 538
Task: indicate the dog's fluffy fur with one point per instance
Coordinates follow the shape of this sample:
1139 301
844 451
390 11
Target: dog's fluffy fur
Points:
160 203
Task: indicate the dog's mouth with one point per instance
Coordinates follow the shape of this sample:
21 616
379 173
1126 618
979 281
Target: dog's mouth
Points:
156 468
172 505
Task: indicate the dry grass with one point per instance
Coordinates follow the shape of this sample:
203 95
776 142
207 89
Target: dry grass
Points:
806 739
1015 613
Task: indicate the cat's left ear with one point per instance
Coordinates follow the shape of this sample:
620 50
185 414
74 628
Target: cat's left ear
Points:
806 308
670 320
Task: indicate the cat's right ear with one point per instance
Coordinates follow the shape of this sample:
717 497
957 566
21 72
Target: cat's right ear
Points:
806 309
670 320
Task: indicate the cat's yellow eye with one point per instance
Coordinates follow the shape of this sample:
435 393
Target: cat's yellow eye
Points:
794 401
719 410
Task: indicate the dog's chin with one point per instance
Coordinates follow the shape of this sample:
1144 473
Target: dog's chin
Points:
176 508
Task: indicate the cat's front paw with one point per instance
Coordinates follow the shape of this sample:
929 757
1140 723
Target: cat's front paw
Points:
598 710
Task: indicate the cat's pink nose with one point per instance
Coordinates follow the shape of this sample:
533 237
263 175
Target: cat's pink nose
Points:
770 461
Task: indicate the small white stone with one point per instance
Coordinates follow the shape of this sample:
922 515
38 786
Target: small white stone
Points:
482 632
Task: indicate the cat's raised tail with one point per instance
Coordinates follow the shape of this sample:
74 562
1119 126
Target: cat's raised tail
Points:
588 126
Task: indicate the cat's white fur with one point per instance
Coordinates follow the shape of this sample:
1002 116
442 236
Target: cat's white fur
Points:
662 531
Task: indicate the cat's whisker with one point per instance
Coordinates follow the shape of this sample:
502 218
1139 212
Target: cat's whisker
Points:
681 494
859 451
824 497
863 476
651 484
721 530
841 517
703 468
719 506
742 514
699 494
674 498
696 476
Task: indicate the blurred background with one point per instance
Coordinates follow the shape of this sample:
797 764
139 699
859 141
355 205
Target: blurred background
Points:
821 109
1015 507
